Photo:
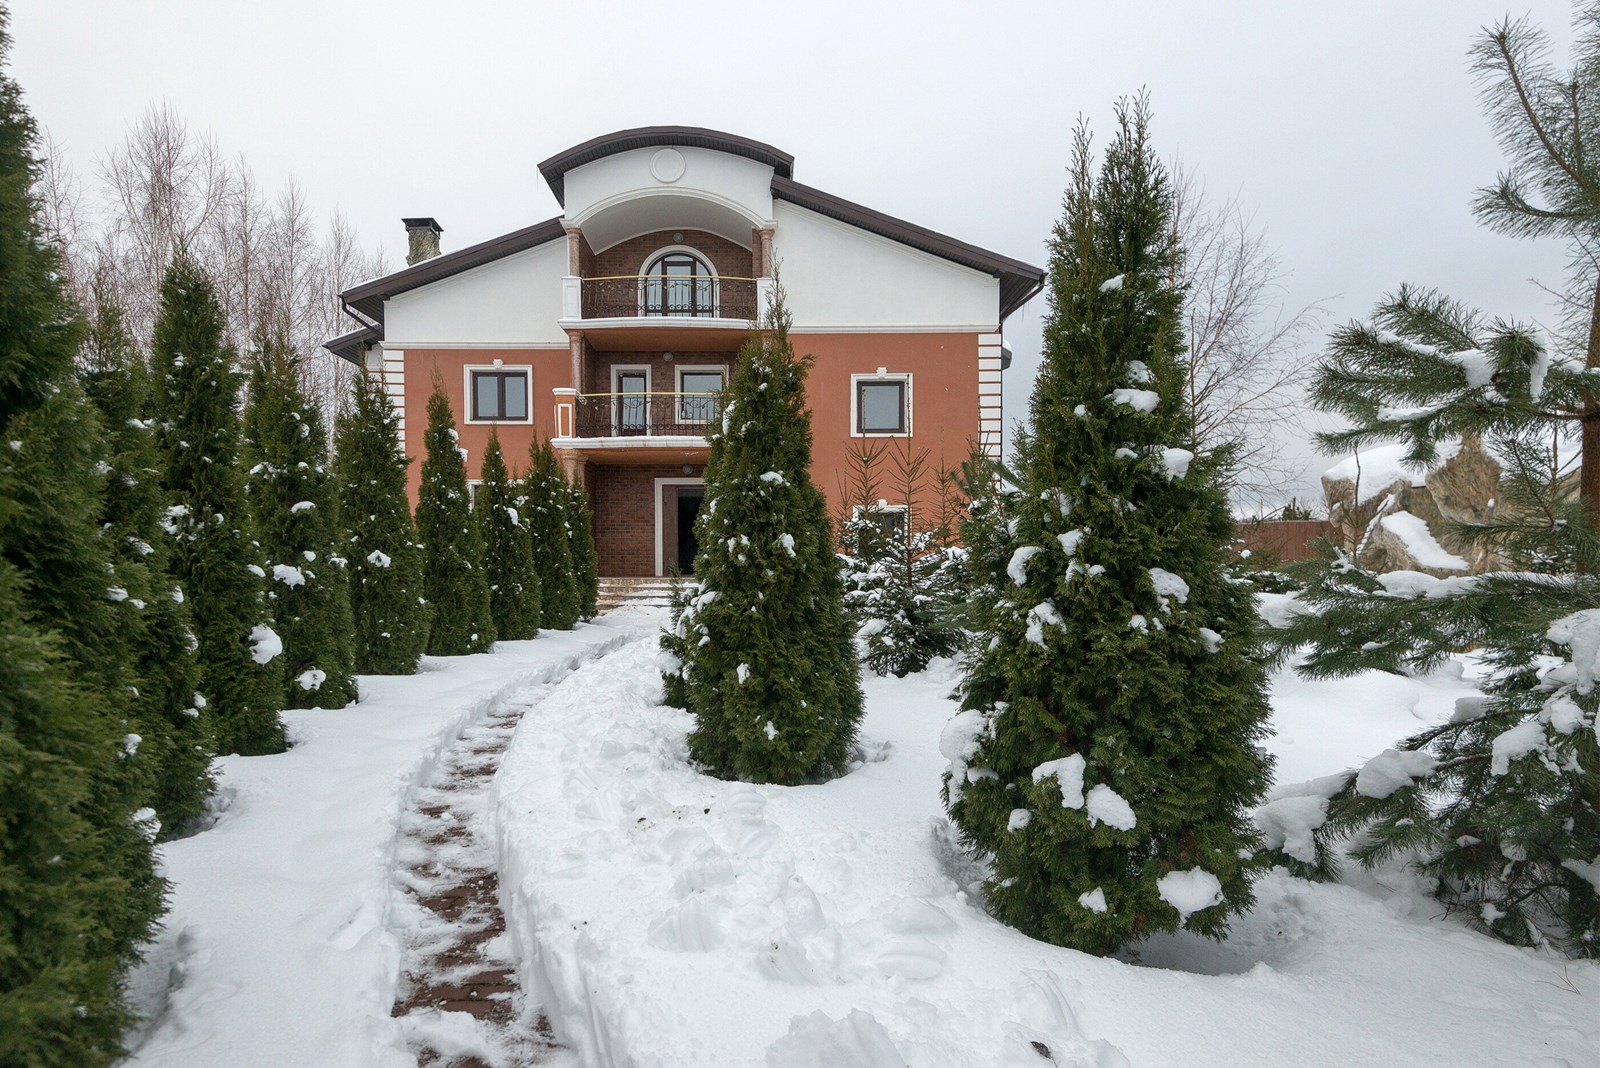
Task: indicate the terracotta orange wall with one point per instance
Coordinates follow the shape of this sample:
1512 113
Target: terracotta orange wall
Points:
944 398
552 368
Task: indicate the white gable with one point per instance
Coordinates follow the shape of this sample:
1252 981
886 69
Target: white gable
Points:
840 277
511 301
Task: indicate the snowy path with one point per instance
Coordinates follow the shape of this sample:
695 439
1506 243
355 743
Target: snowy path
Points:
280 947
669 919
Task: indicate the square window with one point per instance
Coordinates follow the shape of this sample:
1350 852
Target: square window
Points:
698 401
500 395
881 406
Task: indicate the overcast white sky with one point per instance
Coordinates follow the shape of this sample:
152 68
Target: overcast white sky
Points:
1351 127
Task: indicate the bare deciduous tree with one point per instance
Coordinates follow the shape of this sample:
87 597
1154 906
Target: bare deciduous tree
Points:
1246 347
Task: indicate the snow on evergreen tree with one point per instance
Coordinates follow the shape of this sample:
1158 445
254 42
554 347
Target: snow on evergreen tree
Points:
904 577
214 557
78 889
507 550
295 511
172 756
1106 758
1499 804
768 667
585 565
543 504
454 580
390 617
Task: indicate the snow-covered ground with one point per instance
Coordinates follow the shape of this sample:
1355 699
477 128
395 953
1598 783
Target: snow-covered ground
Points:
668 919
278 950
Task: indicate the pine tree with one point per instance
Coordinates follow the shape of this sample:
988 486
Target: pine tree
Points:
390 618
292 501
173 754
507 550
543 505
1111 722
585 565
454 580
1497 805
78 890
768 666
214 557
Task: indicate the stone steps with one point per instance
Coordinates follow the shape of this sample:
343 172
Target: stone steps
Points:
634 593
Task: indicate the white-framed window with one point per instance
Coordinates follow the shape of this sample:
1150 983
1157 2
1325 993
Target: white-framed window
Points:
880 405
630 399
678 281
499 394
890 519
699 392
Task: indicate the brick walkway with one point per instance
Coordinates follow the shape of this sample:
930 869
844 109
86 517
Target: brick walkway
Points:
458 993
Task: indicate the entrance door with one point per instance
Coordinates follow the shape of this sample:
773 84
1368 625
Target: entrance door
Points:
690 498
633 403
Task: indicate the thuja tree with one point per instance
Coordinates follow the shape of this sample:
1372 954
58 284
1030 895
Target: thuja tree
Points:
507 550
173 753
767 665
78 891
904 577
543 505
585 565
454 579
389 616
295 511
214 557
1107 758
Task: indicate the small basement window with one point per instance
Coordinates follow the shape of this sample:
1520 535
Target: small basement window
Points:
500 396
881 404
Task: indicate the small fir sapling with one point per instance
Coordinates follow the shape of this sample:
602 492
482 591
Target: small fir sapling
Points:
454 579
544 504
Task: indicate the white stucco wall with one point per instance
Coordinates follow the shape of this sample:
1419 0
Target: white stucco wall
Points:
512 301
598 194
841 278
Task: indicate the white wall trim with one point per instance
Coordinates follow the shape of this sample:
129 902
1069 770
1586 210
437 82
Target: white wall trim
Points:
661 483
887 376
466 385
532 346
897 328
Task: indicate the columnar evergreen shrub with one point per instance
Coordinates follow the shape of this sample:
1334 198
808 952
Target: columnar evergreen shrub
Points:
389 615
454 580
292 501
767 663
585 565
78 891
543 504
173 755
1106 757
507 550
214 557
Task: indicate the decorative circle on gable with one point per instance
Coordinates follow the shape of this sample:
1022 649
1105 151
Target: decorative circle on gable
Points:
667 165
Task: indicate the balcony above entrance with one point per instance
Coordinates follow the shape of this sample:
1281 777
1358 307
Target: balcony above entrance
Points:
636 427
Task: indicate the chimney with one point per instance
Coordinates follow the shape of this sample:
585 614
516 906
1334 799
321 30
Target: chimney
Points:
423 235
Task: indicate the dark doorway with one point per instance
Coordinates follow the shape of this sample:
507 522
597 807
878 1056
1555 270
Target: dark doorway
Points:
690 498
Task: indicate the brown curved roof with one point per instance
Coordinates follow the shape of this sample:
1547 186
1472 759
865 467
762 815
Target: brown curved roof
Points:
556 167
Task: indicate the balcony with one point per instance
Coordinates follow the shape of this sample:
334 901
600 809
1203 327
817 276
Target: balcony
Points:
645 296
636 427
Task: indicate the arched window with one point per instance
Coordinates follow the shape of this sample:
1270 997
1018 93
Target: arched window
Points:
678 283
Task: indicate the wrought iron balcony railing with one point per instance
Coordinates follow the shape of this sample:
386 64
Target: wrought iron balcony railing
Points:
638 296
621 415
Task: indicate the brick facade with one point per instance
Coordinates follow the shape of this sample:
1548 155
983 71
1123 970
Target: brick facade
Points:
628 257
663 377
624 502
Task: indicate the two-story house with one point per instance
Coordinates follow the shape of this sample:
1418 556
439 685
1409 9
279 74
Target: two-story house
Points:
611 329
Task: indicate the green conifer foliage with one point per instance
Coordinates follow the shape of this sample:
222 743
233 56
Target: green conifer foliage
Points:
1106 759
544 506
173 755
78 891
214 557
585 565
507 550
390 617
454 580
292 501
768 666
